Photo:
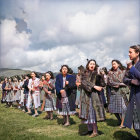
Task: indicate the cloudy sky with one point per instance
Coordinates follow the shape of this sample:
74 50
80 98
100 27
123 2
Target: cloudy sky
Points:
42 35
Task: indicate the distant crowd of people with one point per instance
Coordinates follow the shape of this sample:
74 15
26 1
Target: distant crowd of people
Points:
93 90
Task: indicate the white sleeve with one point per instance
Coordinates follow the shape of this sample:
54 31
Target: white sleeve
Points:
30 83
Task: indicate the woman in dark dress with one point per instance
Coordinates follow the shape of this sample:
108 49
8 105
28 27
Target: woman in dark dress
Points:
64 85
91 106
132 78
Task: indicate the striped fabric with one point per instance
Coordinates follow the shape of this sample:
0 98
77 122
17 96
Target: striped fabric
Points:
117 104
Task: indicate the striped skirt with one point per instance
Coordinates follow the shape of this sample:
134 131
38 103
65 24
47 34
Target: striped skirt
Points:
50 104
117 104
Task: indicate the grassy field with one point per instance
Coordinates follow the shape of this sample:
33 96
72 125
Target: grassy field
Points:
17 125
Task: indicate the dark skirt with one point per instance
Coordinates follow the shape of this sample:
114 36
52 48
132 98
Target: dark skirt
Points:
135 118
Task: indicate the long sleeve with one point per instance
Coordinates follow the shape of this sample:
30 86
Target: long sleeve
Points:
86 84
111 82
58 84
135 72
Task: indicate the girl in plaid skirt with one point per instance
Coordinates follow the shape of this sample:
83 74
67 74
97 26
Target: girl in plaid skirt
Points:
118 99
48 87
65 83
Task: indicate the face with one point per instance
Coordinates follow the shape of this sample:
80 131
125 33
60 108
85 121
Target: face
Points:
48 76
43 78
91 65
26 77
64 70
9 80
115 65
132 54
33 75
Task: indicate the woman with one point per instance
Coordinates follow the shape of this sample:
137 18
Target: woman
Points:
9 96
118 99
91 106
42 92
17 94
64 87
78 84
48 87
133 80
34 93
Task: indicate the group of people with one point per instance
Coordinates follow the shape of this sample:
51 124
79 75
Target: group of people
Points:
100 90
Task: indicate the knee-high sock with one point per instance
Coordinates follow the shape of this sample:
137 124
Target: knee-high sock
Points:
90 127
118 117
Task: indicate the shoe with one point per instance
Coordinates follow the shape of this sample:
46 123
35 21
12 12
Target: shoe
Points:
29 113
23 110
87 133
66 124
35 115
46 118
19 107
122 127
93 135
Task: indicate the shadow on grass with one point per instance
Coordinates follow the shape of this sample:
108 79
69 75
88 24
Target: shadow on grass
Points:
83 128
112 122
123 135
60 121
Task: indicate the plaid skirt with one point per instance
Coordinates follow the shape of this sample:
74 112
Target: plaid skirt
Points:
50 104
117 104
17 96
9 96
65 108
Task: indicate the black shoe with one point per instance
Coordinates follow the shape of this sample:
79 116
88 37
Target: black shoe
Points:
87 133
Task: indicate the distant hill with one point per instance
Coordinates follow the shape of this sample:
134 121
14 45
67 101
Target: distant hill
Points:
6 72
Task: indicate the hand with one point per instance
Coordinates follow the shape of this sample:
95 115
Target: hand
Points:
67 82
33 89
78 84
117 86
62 91
129 65
122 84
98 88
135 82
49 92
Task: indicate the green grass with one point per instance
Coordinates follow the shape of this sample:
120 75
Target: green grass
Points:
16 125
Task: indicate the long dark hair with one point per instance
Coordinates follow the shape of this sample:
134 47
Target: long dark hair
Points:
51 74
119 63
64 66
96 65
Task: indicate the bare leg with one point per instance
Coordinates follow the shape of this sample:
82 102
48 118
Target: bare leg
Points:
67 121
95 132
51 115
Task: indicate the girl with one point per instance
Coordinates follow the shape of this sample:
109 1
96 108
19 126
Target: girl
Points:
48 87
133 80
91 106
64 87
118 99
34 84
9 96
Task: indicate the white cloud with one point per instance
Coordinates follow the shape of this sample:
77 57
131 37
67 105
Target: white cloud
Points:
100 31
